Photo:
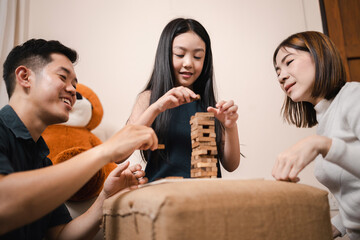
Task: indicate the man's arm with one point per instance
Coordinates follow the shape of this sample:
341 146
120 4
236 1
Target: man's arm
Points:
88 224
27 196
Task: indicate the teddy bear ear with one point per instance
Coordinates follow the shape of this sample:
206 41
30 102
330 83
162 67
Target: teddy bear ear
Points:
97 109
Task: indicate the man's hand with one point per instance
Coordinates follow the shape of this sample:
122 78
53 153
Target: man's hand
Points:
130 138
124 177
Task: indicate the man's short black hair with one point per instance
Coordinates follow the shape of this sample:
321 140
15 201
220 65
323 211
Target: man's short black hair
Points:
34 54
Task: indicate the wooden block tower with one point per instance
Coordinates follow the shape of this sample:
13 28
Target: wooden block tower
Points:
204 150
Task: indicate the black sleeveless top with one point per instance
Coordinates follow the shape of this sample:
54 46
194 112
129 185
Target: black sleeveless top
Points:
175 160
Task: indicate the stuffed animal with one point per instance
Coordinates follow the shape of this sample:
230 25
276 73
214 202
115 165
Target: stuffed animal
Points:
73 137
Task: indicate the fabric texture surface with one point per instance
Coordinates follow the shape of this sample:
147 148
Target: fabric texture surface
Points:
219 209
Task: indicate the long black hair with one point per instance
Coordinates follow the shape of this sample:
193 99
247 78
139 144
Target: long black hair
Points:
163 78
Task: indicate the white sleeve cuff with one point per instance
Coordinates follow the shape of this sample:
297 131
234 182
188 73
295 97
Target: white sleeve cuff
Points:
337 222
336 151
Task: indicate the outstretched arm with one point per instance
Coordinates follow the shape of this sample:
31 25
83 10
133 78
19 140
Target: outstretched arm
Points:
27 196
143 114
291 162
226 113
88 224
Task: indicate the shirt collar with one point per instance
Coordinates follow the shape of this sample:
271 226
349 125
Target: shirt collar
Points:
321 108
12 121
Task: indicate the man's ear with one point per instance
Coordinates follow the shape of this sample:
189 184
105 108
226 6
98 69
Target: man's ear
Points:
23 74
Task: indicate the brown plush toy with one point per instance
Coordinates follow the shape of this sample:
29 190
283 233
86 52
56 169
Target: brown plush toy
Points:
75 136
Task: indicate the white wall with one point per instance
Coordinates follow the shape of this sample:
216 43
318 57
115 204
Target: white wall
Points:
117 40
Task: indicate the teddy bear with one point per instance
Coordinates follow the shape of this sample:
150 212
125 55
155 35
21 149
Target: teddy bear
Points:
74 136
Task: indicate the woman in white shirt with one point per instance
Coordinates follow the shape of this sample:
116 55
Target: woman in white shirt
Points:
311 74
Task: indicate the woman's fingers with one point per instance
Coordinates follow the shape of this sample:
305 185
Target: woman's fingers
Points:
176 97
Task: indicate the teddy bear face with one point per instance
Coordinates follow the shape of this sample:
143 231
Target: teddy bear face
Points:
81 113
97 109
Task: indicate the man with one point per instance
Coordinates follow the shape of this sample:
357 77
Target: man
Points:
41 85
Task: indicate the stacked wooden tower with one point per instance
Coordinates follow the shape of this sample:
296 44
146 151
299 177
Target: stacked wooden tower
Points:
204 150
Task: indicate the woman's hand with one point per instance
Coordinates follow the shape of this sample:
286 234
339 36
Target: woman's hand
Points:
336 233
291 162
174 98
225 112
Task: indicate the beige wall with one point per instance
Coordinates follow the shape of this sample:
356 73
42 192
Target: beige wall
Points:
117 39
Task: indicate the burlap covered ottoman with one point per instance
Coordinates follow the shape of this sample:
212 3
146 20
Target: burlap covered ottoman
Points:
219 209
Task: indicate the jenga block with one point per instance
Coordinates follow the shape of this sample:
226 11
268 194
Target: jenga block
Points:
199 152
205 139
212 169
202 127
205 159
204 114
195 144
203 169
193 130
198 97
203 174
203 152
196 134
206 147
174 177
215 176
203 164
203 121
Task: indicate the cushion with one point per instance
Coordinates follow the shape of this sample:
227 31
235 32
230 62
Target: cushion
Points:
218 209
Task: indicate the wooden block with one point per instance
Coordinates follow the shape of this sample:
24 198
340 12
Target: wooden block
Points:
204 170
212 169
203 174
174 177
203 164
201 159
201 127
205 139
204 114
195 144
198 97
206 147
198 152
199 119
196 122
197 134
202 130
